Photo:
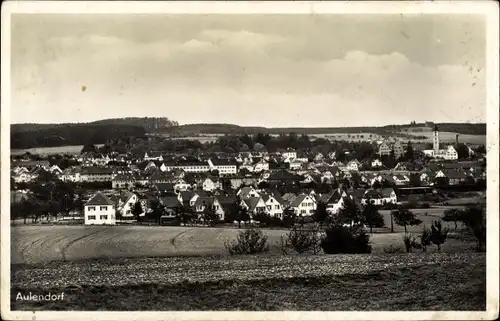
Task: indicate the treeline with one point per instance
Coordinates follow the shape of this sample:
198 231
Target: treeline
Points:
78 134
150 124
194 129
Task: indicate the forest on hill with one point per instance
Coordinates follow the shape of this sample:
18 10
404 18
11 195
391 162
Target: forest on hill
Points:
74 134
150 124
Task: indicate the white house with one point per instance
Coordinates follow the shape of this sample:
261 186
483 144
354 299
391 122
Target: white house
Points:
273 206
335 201
153 156
202 202
210 185
181 185
303 205
99 210
254 205
260 166
55 170
295 165
376 163
380 196
353 165
289 154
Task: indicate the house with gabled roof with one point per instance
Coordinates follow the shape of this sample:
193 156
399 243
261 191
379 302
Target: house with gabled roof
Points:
188 198
453 177
171 204
123 181
210 184
254 205
247 192
303 205
334 202
202 203
274 204
153 156
379 196
288 199
124 203
99 210
353 165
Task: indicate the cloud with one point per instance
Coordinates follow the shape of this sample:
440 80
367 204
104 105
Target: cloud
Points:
239 76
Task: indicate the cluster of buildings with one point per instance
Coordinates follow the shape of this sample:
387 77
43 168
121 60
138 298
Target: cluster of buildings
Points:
259 182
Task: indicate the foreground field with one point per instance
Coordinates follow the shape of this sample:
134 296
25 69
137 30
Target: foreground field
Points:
340 282
35 244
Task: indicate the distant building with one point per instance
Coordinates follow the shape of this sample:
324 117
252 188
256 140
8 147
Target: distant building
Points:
450 153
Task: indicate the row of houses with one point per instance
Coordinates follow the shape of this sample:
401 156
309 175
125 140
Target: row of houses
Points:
105 209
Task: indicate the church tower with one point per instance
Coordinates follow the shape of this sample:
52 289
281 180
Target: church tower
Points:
435 140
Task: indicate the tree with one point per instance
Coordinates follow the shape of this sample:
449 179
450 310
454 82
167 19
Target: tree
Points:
438 234
262 217
88 148
251 241
409 152
157 211
376 184
186 214
209 215
238 213
425 239
320 214
372 216
344 239
452 215
474 217
349 213
289 217
137 210
405 217
415 180
462 151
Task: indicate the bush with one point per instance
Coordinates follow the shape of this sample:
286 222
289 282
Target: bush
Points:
251 241
410 243
343 239
302 240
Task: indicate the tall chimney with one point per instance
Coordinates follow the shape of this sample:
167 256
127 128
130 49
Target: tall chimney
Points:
456 139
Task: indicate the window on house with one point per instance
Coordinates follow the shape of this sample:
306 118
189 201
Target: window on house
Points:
269 207
104 217
91 217
91 208
103 208
303 212
276 207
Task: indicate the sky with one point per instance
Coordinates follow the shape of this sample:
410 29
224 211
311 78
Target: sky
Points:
249 70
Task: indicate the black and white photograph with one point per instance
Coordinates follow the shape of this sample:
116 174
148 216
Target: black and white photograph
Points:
307 160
